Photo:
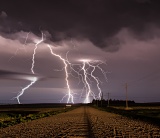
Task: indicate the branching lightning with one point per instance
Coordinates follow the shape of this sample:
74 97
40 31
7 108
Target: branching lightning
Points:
87 73
96 79
33 62
87 85
84 72
88 68
70 96
23 90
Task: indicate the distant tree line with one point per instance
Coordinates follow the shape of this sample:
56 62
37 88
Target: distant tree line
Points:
112 102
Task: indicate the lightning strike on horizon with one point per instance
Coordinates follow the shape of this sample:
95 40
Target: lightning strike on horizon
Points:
79 75
85 67
70 96
85 79
23 90
33 62
97 80
87 85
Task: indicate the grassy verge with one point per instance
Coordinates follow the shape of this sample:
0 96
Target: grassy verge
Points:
10 118
147 115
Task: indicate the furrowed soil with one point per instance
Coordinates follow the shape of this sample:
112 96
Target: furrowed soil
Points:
83 122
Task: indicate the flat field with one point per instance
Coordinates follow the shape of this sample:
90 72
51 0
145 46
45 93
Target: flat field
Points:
149 113
15 114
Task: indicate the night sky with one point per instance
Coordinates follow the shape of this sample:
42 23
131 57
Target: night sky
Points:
123 34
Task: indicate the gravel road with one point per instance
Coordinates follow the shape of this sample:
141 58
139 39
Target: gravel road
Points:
83 122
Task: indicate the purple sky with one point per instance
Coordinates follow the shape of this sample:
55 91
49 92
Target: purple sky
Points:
123 34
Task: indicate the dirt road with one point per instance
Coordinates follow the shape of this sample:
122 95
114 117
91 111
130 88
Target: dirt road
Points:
83 122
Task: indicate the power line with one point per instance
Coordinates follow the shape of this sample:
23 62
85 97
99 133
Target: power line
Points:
126 95
146 76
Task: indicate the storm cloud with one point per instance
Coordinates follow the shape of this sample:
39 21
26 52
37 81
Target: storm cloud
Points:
95 20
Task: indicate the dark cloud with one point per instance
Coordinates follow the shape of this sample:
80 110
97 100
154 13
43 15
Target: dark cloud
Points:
4 74
3 14
96 20
143 1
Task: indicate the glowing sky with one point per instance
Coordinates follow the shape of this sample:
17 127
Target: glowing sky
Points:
124 34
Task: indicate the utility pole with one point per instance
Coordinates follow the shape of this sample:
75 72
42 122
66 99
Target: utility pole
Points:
101 98
108 99
126 86
97 102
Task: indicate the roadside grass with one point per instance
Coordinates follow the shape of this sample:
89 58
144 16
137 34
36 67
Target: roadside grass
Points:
147 114
10 117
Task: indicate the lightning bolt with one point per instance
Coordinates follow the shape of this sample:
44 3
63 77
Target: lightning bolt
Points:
33 63
70 96
81 77
96 79
87 85
23 90
86 73
20 48
34 53
84 78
